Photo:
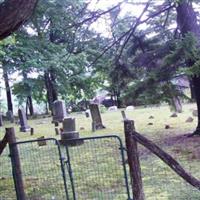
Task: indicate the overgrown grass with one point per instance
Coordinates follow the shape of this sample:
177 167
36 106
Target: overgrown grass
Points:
159 181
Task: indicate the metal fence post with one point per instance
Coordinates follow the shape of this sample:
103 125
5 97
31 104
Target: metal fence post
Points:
16 165
133 161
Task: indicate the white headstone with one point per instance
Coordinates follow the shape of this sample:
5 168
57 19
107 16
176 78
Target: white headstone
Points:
129 108
113 108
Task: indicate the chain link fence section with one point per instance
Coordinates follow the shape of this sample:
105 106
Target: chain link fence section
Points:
7 188
42 170
97 169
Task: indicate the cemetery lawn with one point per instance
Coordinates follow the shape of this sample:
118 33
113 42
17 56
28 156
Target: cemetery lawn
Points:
159 181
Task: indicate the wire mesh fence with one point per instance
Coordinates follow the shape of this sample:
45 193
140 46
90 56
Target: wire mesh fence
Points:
42 170
7 188
98 169
161 183
94 170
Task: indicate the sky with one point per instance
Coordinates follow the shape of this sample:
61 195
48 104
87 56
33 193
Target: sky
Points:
134 9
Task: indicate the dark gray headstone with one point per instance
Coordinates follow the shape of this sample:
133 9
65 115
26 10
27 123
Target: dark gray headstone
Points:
24 127
123 115
195 113
59 111
10 116
69 132
96 117
87 113
1 120
189 120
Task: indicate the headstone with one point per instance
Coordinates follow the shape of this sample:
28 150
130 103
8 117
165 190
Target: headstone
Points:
87 113
113 108
189 120
195 113
150 124
24 127
32 131
176 101
151 117
1 120
129 108
10 116
96 117
41 141
69 133
123 115
174 115
57 131
59 111
167 126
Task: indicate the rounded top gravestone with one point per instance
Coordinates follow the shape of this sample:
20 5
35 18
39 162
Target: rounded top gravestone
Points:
113 108
59 111
129 108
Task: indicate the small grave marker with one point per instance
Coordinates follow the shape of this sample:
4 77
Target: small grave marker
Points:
189 120
41 142
123 115
174 115
1 120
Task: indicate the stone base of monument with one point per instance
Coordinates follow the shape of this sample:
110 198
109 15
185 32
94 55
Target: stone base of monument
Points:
25 129
70 139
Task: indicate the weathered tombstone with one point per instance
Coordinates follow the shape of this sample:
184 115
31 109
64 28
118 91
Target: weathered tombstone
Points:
32 131
59 111
1 120
24 127
96 117
113 108
195 113
177 104
87 113
129 108
41 141
123 115
57 131
174 115
151 117
167 126
189 120
69 133
10 116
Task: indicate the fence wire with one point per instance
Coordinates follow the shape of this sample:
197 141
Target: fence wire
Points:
161 183
94 170
97 170
42 170
7 188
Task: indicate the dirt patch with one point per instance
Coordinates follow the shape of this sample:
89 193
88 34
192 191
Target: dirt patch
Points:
178 146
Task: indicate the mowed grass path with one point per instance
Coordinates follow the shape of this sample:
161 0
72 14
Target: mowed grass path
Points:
159 181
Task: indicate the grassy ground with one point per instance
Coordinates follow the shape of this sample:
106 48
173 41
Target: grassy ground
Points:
97 165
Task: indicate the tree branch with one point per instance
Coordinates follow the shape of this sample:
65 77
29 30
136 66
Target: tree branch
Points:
13 13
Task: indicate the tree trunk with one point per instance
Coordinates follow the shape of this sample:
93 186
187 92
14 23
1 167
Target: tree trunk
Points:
14 13
50 81
30 105
187 22
192 91
8 91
